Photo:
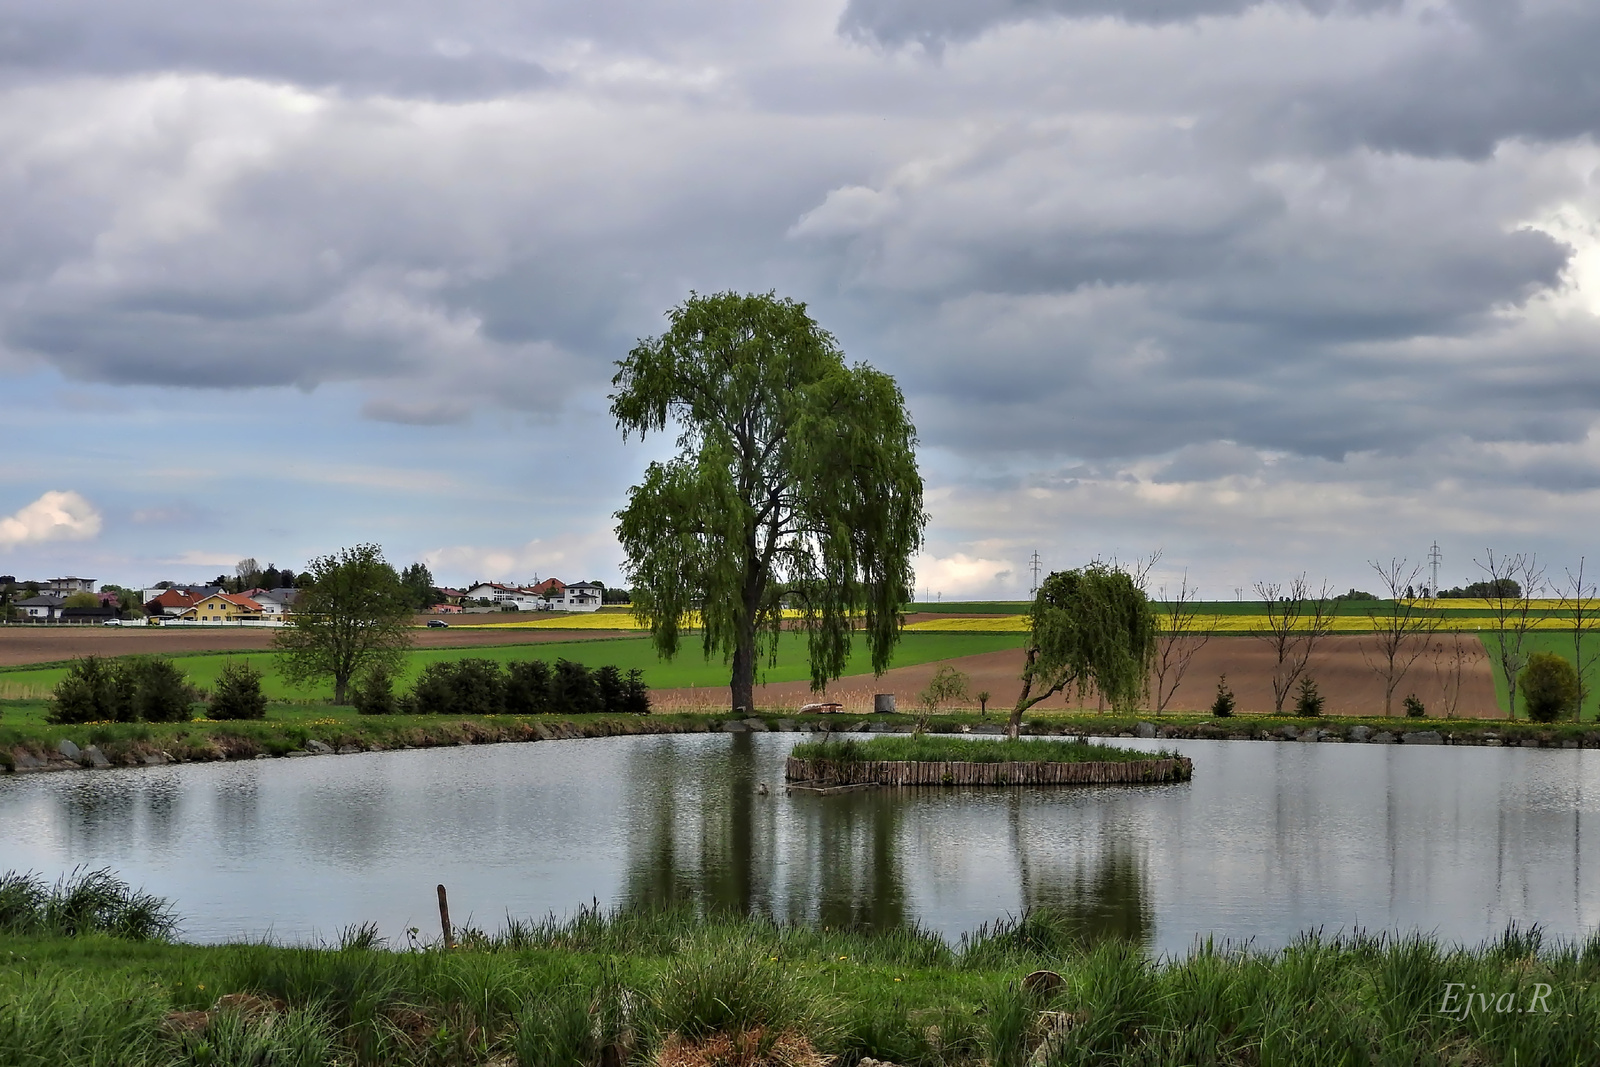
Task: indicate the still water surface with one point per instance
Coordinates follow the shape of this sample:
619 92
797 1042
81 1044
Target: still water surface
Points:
1268 839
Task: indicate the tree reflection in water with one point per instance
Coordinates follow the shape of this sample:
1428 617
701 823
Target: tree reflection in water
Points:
711 841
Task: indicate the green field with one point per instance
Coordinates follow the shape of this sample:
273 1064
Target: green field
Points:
1561 645
689 669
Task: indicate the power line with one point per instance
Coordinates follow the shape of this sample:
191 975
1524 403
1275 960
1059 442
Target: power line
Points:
1033 565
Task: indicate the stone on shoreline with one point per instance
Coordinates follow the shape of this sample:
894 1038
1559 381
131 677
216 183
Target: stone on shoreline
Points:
96 757
319 748
1422 737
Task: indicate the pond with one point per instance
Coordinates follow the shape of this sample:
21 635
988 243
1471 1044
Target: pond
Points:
1267 840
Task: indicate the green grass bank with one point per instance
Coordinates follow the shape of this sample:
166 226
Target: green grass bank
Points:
677 989
27 742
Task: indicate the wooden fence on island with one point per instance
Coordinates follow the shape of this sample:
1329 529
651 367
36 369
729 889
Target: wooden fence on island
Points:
900 772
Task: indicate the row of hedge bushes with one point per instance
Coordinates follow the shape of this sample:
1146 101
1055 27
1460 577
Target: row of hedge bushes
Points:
523 687
151 689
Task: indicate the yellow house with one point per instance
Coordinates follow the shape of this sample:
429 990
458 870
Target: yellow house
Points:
223 607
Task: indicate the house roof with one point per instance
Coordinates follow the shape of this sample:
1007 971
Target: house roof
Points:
43 601
176 599
548 583
88 613
585 585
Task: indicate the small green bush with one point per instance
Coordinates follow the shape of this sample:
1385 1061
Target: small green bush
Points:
86 693
1414 707
1222 706
238 693
374 692
133 689
160 690
528 687
1549 687
1308 702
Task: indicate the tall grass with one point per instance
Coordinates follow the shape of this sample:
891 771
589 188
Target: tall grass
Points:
83 902
619 988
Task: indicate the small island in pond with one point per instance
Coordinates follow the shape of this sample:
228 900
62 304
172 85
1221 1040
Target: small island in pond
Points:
936 760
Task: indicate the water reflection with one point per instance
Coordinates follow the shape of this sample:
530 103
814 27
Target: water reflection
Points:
1266 841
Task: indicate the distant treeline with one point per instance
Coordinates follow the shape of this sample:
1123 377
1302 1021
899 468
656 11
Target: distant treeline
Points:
523 687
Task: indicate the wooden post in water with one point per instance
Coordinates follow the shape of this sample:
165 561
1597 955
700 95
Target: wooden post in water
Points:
444 919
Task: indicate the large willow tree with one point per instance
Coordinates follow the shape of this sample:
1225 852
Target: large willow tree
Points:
1090 627
795 484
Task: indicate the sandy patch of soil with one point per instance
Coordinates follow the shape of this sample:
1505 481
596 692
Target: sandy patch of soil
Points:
43 644
1348 684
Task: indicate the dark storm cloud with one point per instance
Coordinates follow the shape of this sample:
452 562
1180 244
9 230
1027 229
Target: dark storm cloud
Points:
935 22
1491 71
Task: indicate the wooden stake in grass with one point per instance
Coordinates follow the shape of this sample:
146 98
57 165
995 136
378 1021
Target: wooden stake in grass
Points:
444 919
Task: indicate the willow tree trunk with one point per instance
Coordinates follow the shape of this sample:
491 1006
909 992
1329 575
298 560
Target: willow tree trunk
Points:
743 682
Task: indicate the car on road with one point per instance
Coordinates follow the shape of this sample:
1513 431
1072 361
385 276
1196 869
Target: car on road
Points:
437 624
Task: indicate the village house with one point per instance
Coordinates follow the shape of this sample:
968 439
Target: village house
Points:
41 608
222 607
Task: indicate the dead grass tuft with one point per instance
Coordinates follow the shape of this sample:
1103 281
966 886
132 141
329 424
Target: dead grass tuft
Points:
750 1048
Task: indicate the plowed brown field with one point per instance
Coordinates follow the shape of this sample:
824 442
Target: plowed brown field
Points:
45 644
1340 668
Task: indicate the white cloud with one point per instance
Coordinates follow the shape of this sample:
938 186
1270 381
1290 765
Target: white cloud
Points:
958 576
56 516
573 557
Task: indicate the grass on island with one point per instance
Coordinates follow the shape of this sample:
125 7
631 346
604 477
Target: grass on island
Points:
683 989
943 748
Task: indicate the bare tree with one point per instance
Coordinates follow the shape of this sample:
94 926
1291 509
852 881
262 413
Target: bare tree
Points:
1578 603
1184 632
1401 627
1450 659
1511 584
1296 622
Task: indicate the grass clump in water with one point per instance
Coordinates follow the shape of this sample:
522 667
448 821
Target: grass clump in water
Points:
84 902
946 749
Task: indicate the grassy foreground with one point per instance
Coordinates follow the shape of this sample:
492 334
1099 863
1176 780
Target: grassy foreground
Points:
675 989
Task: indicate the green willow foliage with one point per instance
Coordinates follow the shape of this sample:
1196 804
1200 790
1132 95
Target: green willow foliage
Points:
1092 626
795 484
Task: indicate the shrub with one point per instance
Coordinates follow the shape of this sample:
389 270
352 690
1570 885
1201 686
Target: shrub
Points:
1414 707
572 689
238 693
1549 687
434 691
138 688
161 692
464 687
635 694
609 688
1308 702
527 687
1222 706
88 692
480 688
374 692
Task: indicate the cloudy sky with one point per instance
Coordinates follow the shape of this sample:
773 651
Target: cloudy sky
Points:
1268 286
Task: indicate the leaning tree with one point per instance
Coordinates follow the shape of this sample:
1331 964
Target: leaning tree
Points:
795 485
1088 627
